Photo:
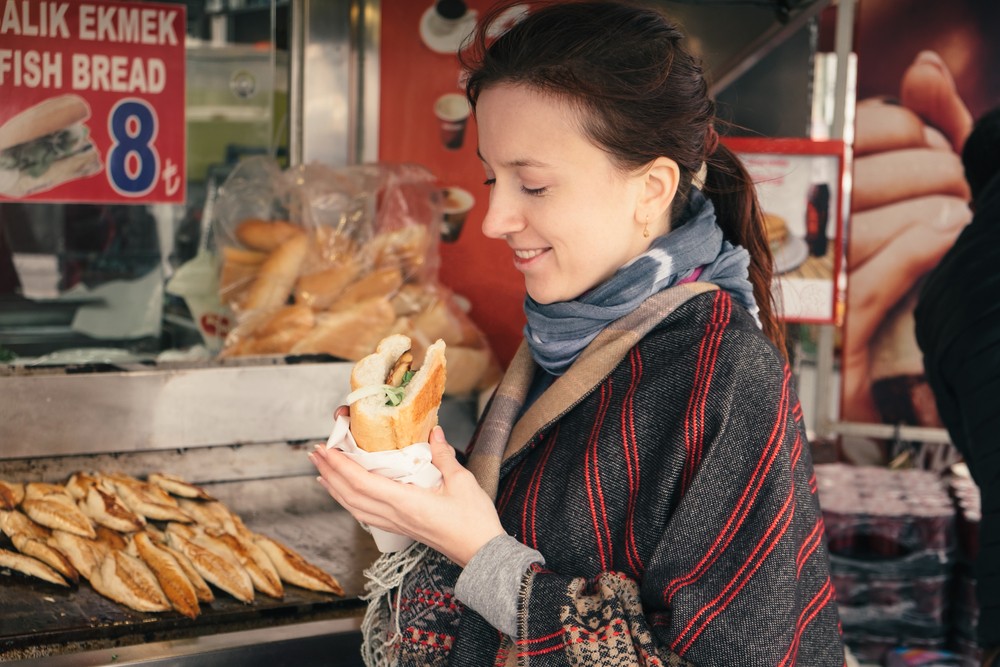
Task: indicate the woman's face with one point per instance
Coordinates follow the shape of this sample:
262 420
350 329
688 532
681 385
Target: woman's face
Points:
565 210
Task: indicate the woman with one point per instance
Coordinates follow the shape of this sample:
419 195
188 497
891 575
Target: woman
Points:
639 491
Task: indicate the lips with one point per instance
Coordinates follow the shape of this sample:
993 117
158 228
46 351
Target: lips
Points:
525 255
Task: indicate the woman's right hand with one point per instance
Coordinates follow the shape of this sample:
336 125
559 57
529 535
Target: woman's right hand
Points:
910 201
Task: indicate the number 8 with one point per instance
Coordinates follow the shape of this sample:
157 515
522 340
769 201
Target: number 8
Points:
136 144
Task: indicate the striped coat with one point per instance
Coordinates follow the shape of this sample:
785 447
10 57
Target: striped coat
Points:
668 483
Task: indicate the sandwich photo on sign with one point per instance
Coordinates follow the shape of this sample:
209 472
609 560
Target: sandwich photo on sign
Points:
46 145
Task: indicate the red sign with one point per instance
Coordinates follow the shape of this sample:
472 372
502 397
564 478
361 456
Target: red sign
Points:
92 101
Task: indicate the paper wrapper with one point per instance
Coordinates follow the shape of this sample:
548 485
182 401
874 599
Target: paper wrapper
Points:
410 465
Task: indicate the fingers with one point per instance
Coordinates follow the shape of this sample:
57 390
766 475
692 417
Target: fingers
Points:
929 90
442 454
884 127
873 230
885 178
342 411
883 280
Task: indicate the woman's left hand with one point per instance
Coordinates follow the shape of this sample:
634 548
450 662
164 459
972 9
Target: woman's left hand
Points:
456 518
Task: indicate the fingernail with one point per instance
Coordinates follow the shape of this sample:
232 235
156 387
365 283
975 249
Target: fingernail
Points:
930 57
437 434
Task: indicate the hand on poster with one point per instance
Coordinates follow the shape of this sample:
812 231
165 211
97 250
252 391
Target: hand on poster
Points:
909 204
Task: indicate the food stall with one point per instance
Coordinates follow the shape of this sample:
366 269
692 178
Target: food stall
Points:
128 349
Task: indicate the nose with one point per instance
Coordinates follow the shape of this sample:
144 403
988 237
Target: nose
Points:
502 217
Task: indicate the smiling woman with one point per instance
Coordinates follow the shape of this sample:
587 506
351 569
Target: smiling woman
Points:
640 484
544 171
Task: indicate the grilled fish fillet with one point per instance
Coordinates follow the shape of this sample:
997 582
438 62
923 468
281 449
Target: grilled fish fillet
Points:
170 575
212 515
80 483
294 569
14 522
11 494
145 499
44 491
40 550
216 570
201 589
107 509
177 486
83 553
110 538
30 566
32 540
126 580
262 571
54 513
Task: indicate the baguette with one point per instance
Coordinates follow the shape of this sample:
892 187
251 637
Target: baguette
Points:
349 334
380 427
277 275
265 235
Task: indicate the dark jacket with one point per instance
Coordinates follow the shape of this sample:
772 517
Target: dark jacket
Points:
674 501
958 330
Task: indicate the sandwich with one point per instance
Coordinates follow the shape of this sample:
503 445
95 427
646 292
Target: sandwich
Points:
392 405
46 145
776 230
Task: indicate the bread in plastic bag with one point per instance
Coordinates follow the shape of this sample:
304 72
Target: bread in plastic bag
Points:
317 260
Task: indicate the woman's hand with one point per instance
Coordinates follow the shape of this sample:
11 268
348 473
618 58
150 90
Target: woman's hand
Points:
456 519
910 202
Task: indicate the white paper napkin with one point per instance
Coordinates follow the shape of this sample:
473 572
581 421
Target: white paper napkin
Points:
410 465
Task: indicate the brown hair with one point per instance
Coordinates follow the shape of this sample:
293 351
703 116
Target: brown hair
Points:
643 96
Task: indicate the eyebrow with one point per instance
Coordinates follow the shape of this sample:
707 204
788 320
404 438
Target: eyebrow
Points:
521 162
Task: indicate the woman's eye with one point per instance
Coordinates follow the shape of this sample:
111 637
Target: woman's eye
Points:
490 181
535 192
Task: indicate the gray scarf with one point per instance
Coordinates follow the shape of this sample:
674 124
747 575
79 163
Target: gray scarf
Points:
558 332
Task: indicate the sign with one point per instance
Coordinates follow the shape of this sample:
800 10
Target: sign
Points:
92 101
909 199
425 118
799 187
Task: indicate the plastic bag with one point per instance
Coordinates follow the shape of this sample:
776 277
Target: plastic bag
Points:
316 260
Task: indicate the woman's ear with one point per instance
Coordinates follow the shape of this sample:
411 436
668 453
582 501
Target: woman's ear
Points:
660 182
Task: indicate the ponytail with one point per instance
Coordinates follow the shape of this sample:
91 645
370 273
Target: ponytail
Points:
738 213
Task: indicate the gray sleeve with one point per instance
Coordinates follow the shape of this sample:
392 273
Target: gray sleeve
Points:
491 582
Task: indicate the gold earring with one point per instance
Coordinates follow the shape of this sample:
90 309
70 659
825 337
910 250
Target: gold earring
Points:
645 229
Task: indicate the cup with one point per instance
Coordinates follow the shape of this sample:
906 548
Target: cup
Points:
457 204
387 542
446 16
452 110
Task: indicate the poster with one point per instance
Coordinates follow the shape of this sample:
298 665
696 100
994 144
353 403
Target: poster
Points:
92 101
799 186
425 118
909 203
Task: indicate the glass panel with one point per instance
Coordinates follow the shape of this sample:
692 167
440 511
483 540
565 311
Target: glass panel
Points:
86 282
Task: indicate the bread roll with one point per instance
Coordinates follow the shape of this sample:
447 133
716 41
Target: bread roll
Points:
381 283
321 289
266 235
277 274
46 117
351 333
279 333
379 427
